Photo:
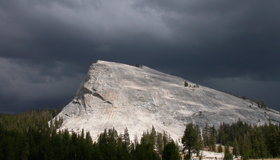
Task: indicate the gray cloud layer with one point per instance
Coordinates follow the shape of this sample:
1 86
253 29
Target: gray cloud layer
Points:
47 46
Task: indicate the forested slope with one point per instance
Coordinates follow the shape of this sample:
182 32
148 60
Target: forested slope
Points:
28 136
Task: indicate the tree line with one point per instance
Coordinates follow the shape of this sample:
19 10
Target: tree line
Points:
247 140
30 136
257 102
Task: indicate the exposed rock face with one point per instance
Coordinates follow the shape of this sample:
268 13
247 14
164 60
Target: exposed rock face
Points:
118 95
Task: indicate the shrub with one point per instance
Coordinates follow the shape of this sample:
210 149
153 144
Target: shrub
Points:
186 84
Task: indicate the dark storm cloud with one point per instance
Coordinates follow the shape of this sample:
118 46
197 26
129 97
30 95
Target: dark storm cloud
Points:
47 46
239 38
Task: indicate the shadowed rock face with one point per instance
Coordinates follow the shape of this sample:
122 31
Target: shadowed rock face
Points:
118 95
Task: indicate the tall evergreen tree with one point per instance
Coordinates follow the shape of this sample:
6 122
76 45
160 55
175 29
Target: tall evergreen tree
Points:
171 152
272 139
236 148
160 143
152 136
199 142
206 135
190 138
220 149
227 155
126 139
145 151
212 138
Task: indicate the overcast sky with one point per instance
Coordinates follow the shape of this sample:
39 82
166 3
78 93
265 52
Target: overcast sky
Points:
46 47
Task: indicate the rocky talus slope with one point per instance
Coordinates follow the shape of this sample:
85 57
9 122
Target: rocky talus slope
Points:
119 95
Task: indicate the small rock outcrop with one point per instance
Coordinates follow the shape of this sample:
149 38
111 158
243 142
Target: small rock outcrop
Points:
119 95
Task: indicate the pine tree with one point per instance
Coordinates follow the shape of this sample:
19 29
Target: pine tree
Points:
198 143
160 143
186 84
145 152
135 141
165 138
24 147
153 136
220 149
190 138
212 143
126 139
170 152
227 155
258 103
236 148
272 139
206 135
247 147
145 139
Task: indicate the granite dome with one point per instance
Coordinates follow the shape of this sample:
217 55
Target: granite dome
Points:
119 95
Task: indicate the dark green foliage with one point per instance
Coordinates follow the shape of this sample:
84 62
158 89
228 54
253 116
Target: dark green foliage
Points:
186 84
160 143
198 144
258 103
145 139
156 139
236 151
251 142
145 151
212 139
190 138
28 136
165 138
205 135
153 136
126 140
35 119
171 152
220 149
209 136
263 105
138 65
244 97
228 155
272 137
108 144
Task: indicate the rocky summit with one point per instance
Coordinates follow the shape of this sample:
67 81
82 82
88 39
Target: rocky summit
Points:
119 95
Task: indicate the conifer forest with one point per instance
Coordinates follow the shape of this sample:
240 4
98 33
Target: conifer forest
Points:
33 136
